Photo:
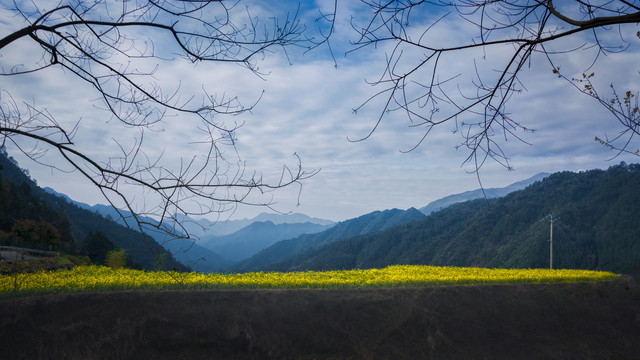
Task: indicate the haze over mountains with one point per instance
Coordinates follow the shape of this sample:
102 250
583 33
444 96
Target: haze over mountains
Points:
262 244
268 239
256 236
369 223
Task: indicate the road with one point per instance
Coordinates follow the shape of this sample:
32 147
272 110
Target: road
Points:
10 255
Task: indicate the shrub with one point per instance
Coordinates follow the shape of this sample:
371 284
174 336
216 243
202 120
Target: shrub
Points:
116 259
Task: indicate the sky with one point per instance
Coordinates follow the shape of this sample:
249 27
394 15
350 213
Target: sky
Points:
304 105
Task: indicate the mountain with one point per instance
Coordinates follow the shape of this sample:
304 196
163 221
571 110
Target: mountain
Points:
375 221
256 236
205 227
490 193
211 248
597 228
195 228
293 218
28 201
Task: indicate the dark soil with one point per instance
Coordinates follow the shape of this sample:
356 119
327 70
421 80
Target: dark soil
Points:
596 320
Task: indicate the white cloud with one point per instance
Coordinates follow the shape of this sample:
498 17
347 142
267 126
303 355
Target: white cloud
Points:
307 109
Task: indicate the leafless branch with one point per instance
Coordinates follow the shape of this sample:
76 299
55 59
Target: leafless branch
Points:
414 81
103 43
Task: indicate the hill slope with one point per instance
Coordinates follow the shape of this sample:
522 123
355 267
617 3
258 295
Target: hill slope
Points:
78 222
598 229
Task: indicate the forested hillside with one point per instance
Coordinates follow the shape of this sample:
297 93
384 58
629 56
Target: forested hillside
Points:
597 228
21 200
38 224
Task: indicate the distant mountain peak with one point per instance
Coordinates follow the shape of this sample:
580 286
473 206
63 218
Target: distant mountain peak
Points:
292 218
490 193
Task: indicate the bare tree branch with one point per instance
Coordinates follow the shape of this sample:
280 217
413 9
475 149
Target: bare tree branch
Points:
416 82
105 44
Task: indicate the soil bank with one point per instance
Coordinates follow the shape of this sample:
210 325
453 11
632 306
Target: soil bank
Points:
591 320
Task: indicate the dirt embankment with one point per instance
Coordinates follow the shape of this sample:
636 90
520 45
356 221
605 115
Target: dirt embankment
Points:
547 321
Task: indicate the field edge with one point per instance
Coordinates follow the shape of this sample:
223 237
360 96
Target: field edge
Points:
525 321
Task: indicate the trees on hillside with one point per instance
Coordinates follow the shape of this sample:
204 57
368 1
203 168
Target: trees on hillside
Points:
423 39
96 246
124 52
31 232
27 220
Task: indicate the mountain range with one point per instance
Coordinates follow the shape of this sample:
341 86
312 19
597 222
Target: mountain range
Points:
595 227
372 222
215 246
268 239
256 236
503 228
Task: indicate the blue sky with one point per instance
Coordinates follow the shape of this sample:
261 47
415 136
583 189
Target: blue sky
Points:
306 107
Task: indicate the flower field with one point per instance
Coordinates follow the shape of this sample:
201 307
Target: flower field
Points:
100 278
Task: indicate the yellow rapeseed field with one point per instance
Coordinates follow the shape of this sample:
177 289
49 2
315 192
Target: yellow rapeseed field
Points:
101 278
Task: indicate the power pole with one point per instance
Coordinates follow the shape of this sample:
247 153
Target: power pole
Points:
551 219
551 243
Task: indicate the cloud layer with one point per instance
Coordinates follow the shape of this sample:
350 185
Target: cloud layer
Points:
306 107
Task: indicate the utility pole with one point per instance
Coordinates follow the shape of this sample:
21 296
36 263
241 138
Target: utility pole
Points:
551 243
550 217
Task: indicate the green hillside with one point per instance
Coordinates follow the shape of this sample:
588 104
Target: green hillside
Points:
598 229
21 199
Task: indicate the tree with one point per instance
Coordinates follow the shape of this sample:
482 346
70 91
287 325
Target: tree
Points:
96 246
117 48
625 109
420 43
33 233
116 258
